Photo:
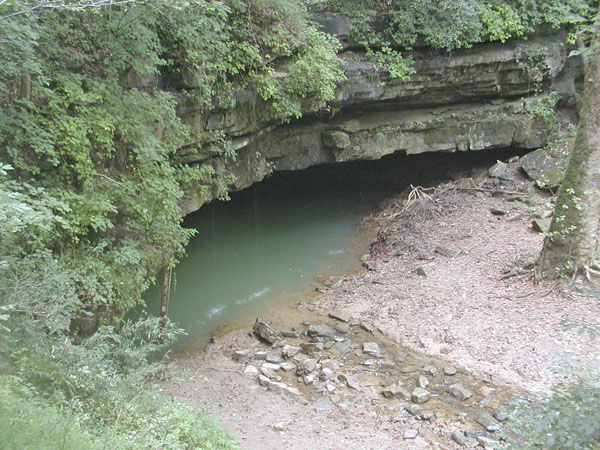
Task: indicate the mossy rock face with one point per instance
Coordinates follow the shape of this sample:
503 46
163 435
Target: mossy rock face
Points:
545 168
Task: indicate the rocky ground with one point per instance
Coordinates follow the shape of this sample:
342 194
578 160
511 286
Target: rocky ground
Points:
428 347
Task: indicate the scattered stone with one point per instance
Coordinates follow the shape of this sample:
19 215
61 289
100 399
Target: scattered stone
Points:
445 251
500 414
307 365
424 270
488 422
370 362
459 437
350 381
266 332
430 370
423 382
327 345
342 317
387 365
341 347
269 373
330 387
278 386
260 355
545 168
326 374
309 379
427 415
415 410
450 371
498 212
371 348
474 433
288 366
410 433
251 370
486 442
274 357
240 354
541 225
367 327
323 404
401 356
342 327
312 347
409 369
460 392
498 170
320 329
271 366
420 396
329 364
280 426
289 350
290 334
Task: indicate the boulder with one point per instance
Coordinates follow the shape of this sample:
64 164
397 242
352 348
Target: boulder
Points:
266 332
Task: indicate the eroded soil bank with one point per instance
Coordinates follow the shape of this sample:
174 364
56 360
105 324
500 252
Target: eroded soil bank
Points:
437 334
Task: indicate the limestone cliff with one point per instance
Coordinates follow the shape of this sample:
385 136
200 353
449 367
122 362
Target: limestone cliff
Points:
490 96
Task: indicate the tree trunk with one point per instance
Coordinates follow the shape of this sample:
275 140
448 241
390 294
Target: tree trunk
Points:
165 295
25 88
572 242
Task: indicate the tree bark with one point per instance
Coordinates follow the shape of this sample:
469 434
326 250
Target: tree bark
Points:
165 295
572 242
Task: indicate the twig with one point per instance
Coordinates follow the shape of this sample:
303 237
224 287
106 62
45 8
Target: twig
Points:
114 181
224 370
492 191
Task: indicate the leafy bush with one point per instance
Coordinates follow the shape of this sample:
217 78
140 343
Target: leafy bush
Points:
567 419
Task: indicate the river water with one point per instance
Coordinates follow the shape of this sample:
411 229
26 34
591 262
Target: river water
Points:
274 242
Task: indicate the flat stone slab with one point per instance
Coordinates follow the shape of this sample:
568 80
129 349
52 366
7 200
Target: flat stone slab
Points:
342 317
350 381
410 433
371 348
320 329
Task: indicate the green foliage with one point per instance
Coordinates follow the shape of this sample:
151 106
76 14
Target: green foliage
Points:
567 419
387 29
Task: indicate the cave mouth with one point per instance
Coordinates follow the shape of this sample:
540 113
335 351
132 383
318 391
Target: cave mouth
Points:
273 243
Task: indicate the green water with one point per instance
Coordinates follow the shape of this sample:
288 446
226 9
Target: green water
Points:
272 244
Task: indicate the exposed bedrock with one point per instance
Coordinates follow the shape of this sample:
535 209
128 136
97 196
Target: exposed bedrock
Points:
490 96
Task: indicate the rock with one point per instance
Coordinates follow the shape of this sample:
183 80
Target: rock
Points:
387 364
459 437
266 332
409 369
367 327
488 422
391 391
240 354
498 170
281 426
306 366
343 328
420 396
323 404
370 362
260 355
460 392
424 270
427 415
500 414
269 373
271 366
487 442
415 410
445 251
350 381
342 317
326 374
545 168
274 357
290 334
450 371
289 350
288 366
410 433
329 364
251 370
541 225
312 347
498 212
320 329
278 386
335 139
309 379
371 348
341 347
423 382
430 370
330 387
401 356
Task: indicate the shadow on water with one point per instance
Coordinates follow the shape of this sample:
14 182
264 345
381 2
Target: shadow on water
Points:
273 242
